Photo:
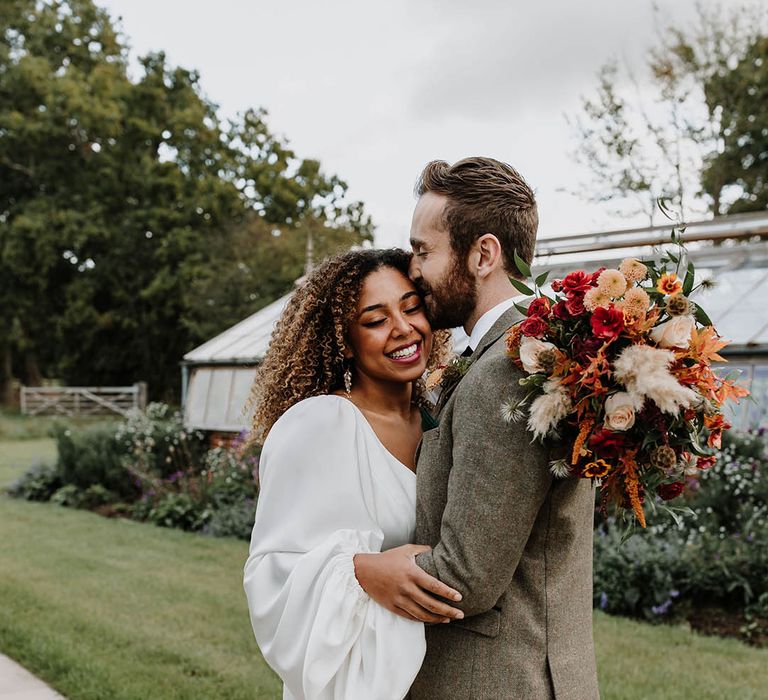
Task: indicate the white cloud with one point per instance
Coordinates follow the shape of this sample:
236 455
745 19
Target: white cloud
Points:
374 91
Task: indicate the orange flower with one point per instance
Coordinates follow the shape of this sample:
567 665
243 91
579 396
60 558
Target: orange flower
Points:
586 426
597 469
669 284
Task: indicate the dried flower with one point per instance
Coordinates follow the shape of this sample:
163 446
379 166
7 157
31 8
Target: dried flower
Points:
612 283
678 305
663 458
559 468
633 270
548 409
644 371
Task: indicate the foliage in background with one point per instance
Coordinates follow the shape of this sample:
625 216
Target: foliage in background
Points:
117 194
149 467
698 140
716 557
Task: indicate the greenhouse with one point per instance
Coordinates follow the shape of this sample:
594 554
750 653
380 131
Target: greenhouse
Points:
731 252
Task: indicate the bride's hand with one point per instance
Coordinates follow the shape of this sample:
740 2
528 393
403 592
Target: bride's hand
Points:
396 582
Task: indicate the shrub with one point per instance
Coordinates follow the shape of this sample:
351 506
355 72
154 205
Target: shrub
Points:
93 456
233 520
179 510
38 483
154 444
714 557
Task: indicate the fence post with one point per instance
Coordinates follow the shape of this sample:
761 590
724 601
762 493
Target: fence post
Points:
141 396
23 397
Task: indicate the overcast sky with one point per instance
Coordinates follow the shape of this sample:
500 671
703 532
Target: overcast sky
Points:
375 90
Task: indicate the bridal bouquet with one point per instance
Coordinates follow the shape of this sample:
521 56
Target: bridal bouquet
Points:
619 369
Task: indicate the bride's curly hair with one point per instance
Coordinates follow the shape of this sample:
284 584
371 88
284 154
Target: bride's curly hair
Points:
306 353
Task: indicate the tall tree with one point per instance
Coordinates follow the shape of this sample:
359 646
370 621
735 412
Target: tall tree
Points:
117 195
638 150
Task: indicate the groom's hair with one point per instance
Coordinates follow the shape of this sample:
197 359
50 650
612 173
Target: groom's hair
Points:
484 196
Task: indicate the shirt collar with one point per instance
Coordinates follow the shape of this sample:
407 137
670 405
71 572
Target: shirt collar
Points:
486 321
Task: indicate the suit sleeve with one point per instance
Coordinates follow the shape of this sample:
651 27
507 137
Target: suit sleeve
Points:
497 484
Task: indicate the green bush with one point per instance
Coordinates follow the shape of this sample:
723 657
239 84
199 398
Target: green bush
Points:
716 556
179 510
38 483
93 456
233 520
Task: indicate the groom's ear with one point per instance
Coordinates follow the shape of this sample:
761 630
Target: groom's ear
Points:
486 255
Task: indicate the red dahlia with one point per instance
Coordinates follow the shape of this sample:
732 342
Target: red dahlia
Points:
607 323
578 282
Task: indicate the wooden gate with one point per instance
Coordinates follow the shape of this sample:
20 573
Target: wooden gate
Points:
82 400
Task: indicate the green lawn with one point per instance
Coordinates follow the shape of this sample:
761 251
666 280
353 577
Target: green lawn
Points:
116 610
17 455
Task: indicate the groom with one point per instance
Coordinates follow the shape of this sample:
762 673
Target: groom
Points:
513 540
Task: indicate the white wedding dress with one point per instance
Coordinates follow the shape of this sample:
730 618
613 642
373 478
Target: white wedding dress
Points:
329 489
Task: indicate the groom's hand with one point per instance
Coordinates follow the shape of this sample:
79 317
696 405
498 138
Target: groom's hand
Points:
395 582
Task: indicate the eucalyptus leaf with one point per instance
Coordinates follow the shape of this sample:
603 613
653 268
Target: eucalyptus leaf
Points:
522 309
689 278
701 316
542 278
521 286
522 266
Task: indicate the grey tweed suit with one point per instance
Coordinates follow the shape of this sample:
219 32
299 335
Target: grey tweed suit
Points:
514 541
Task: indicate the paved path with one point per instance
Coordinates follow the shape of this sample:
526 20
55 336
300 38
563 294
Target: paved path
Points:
16 683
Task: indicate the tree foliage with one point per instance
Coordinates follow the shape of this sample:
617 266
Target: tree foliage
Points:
692 133
119 197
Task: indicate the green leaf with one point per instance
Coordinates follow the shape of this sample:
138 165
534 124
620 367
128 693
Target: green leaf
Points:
542 278
522 266
689 277
701 316
673 257
521 286
522 309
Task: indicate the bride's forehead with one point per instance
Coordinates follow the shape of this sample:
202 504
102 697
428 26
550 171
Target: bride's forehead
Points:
385 284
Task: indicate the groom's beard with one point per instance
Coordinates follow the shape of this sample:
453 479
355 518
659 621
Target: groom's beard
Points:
451 301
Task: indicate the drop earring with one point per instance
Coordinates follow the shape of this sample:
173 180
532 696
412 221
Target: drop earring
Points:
348 380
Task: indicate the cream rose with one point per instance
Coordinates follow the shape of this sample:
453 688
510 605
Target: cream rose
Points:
530 348
675 333
620 411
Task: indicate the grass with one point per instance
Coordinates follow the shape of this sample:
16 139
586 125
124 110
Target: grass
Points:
111 609
17 455
15 426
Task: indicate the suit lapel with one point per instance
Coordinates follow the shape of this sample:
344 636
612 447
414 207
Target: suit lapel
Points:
502 325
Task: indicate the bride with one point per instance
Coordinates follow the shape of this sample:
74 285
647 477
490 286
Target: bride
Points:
336 407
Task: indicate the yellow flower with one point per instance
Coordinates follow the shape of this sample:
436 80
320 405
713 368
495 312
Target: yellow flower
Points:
633 270
612 283
669 284
636 302
597 469
594 298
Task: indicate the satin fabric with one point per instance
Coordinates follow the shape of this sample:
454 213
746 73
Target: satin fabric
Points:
328 490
